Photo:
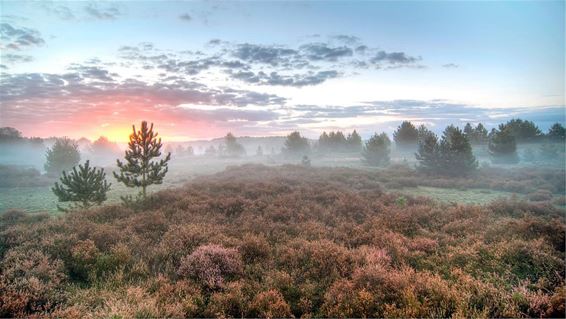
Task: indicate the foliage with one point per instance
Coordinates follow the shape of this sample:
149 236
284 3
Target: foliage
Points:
557 133
296 145
211 265
103 147
63 155
292 241
502 147
232 147
521 130
86 186
377 150
476 135
406 135
451 156
139 170
18 176
338 142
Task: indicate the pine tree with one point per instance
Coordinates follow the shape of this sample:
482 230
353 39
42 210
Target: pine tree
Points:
354 141
456 157
480 134
556 133
233 148
86 186
62 156
406 135
428 153
503 147
377 150
139 170
296 145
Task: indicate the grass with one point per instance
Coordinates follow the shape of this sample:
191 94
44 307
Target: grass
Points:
468 196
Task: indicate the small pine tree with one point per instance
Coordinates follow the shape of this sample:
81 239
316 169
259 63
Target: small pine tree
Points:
233 148
503 147
296 145
62 156
406 135
428 153
556 133
139 170
377 150
354 141
86 186
456 157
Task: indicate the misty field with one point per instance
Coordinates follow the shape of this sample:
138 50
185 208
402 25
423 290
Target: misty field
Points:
261 241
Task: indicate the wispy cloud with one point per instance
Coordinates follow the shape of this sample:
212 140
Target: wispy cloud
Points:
19 38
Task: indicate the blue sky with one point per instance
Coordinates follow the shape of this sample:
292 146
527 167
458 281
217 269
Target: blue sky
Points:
199 69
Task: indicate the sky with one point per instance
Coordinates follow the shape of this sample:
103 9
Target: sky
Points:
201 69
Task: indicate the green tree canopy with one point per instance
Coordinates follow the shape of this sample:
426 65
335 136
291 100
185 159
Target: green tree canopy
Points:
377 150
84 187
139 168
63 155
296 145
503 147
406 135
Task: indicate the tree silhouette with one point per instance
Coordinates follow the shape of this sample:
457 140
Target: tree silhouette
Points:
523 131
451 156
503 147
406 135
86 186
139 170
296 145
557 133
63 155
233 148
354 141
377 150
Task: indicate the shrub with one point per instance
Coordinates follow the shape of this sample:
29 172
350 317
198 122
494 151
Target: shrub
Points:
211 265
30 282
270 304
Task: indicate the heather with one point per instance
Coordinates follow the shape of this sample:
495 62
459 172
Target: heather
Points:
294 240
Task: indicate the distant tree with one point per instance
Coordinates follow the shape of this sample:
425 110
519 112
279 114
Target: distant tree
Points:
469 131
503 147
139 170
190 151
232 147
456 157
523 131
354 142
103 146
210 151
259 151
480 135
556 133
306 161
377 150
10 134
85 187
422 133
406 135
63 155
296 145
451 156
180 150
333 142
428 153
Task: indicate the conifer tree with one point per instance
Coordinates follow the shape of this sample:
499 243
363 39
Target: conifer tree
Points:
296 145
354 141
406 135
456 152
85 187
428 153
377 150
503 147
139 170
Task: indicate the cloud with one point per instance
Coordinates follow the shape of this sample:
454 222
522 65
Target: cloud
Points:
450 65
61 11
394 58
94 10
15 58
323 52
311 63
185 17
16 38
